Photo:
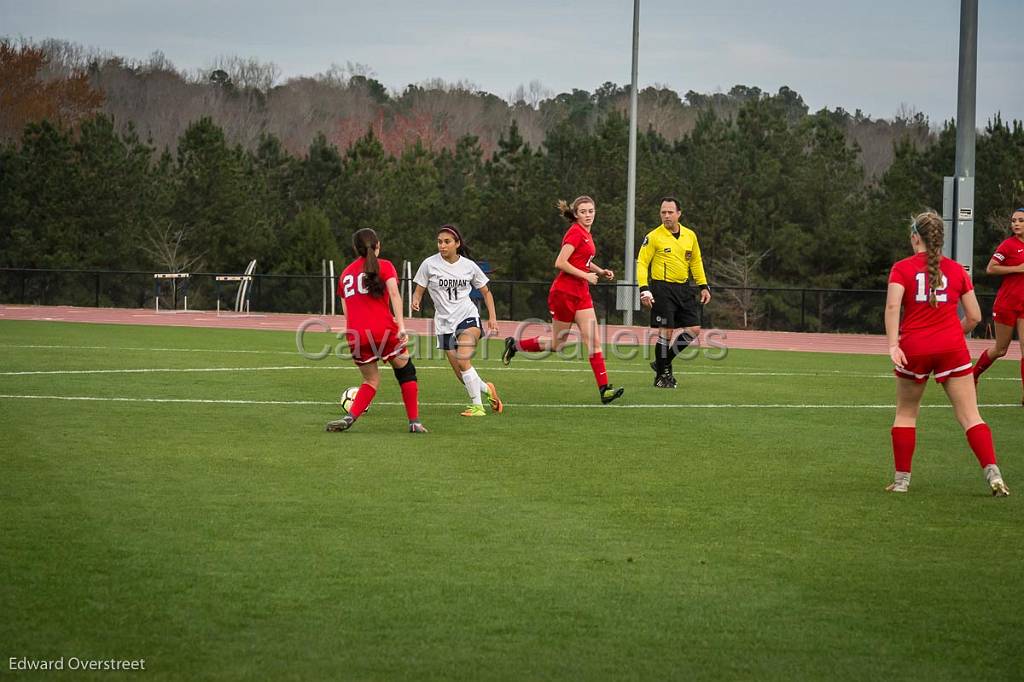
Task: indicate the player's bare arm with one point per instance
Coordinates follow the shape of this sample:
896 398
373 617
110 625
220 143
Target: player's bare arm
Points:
492 317
563 264
994 268
972 311
396 306
893 301
417 297
602 272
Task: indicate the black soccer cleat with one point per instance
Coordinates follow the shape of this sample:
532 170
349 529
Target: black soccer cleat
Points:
664 381
343 424
510 350
610 393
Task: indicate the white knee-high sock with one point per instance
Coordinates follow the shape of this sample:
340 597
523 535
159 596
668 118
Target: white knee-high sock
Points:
480 382
472 382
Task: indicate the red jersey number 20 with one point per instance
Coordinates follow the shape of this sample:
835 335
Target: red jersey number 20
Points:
922 289
350 284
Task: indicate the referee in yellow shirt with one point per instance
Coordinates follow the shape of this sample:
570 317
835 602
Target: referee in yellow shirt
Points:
668 256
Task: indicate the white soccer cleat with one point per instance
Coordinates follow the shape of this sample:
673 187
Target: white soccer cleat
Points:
900 483
999 488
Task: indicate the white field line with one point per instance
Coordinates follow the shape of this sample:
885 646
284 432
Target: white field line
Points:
277 368
547 406
747 371
477 360
167 370
280 368
489 362
154 350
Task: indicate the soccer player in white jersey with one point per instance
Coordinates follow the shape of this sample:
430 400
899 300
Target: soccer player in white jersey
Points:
450 277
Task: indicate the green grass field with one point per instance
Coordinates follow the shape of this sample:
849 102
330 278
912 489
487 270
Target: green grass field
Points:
732 528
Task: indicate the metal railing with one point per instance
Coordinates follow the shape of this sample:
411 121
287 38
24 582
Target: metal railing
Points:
766 308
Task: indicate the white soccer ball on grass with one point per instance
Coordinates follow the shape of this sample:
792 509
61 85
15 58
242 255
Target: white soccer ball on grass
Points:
348 398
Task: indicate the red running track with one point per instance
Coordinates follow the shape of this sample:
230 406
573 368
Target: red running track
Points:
872 344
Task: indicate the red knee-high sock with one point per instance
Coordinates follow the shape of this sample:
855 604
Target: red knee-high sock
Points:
980 438
983 363
363 399
904 439
600 373
531 345
410 396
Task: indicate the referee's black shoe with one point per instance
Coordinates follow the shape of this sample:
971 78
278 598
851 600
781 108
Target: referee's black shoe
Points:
654 365
610 393
510 350
665 379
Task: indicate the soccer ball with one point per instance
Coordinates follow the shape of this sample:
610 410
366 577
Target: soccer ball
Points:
348 398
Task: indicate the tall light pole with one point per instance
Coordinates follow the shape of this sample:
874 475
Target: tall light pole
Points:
958 191
630 262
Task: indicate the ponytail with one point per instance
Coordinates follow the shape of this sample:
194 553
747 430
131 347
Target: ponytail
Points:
569 211
930 228
365 242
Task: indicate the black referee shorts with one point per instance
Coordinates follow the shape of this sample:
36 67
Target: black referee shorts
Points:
675 305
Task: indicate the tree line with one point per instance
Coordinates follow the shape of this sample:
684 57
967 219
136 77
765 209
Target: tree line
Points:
778 195
246 99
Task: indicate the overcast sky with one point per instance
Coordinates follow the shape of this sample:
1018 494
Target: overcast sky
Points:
878 56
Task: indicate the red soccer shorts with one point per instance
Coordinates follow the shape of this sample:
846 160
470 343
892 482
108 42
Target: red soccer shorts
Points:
367 348
1007 311
563 306
955 363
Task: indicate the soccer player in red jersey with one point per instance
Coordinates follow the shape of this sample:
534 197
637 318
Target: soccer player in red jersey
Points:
375 329
1008 310
569 298
930 340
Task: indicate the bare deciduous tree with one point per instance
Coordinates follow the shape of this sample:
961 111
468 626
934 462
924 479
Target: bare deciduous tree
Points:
531 95
248 73
344 101
738 268
158 61
167 245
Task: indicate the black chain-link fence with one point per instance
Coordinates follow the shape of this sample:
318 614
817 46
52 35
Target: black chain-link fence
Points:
765 308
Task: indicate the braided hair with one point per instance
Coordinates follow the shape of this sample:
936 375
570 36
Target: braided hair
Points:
929 226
